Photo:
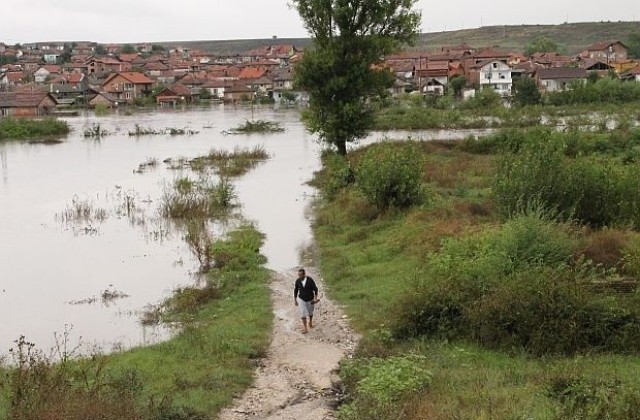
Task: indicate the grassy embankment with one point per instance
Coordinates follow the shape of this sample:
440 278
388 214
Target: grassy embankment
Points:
21 129
222 326
492 293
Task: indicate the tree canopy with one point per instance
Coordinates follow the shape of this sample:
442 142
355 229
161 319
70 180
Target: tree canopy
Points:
540 44
343 71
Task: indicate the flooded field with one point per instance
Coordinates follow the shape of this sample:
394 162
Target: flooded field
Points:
83 247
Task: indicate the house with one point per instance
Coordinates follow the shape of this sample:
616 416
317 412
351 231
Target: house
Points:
12 78
105 65
26 104
492 74
606 51
433 86
103 98
238 92
46 71
559 78
126 86
173 95
282 78
215 87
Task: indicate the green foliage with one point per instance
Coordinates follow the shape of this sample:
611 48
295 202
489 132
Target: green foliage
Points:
633 45
604 90
257 126
157 48
380 384
457 84
127 49
342 72
100 50
390 175
593 398
337 174
512 289
527 92
18 129
589 190
188 199
540 44
8 59
483 99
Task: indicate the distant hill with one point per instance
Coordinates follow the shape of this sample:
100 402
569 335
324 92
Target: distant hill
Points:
571 37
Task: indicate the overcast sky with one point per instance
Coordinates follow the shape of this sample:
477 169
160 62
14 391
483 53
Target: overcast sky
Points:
123 21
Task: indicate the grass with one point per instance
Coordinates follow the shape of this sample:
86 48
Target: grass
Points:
230 164
257 126
374 261
20 129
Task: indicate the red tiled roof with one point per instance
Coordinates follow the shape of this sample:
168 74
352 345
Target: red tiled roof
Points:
51 68
251 73
561 73
22 99
75 78
602 45
136 78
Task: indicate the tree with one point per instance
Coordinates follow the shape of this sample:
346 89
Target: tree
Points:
157 48
540 44
343 72
456 84
527 92
127 49
633 45
100 50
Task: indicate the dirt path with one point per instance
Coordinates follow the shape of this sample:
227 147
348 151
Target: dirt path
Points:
295 380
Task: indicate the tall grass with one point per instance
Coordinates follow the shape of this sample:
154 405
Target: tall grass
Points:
17 129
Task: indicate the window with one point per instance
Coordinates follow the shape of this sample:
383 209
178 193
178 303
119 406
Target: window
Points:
495 65
127 86
128 95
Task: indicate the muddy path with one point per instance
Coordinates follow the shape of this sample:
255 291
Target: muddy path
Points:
296 379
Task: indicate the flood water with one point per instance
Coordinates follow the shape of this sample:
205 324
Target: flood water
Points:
54 271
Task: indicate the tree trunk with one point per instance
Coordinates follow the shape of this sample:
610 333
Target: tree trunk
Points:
342 147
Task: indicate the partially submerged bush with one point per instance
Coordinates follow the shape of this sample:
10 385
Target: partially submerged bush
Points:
18 128
189 199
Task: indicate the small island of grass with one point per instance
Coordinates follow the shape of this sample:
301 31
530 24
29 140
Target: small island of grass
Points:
22 129
256 126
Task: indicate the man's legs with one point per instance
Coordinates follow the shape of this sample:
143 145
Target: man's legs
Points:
304 325
310 321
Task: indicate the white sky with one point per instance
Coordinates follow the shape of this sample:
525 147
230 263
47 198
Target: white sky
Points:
122 21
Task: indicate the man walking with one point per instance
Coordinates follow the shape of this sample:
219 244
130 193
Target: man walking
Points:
305 295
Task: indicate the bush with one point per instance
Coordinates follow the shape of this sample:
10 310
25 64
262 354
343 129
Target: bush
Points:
389 174
337 174
380 383
515 288
590 190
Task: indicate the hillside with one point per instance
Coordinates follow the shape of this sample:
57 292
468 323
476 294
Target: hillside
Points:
571 37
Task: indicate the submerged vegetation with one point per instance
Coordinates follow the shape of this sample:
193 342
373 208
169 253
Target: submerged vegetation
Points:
256 126
19 129
508 282
95 131
149 131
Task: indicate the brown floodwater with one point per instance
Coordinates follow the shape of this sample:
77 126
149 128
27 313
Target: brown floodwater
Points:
55 267
93 277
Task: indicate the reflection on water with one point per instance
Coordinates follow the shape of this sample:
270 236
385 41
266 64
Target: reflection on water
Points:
80 219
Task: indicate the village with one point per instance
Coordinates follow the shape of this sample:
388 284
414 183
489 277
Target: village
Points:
44 78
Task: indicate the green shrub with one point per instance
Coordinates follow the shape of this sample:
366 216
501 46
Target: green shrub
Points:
390 174
379 384
337 173
16 128
586 398
515 288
